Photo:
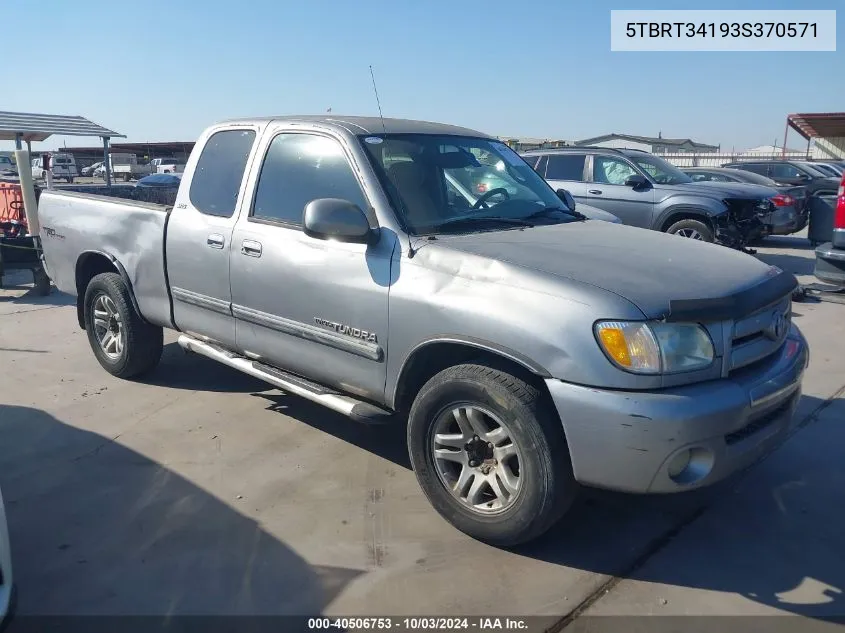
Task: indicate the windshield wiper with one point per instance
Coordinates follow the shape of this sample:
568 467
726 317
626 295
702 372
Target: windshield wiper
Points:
547 210
473 219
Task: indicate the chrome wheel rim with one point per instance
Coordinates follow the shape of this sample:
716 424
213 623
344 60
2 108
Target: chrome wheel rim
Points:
108 327
476 458
690 233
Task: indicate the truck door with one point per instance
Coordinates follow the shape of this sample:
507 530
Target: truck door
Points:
313 307
199 235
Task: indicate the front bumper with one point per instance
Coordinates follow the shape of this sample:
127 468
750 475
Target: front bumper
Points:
626 440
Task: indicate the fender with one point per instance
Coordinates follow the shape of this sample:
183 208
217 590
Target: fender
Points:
480 344
80 298
708 211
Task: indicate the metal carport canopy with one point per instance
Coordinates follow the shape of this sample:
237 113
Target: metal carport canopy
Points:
818 125
39 127
26 126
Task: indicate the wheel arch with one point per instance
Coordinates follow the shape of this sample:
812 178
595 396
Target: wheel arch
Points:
434 355
683 212
89 265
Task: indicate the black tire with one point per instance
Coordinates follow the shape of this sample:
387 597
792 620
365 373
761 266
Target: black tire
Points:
692 225
547 485
142 342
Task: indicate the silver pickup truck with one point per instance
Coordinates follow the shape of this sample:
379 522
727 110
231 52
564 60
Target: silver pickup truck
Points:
529 350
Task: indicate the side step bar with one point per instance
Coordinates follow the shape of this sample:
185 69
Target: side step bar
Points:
296 385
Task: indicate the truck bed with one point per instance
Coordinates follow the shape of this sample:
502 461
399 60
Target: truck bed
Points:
77 225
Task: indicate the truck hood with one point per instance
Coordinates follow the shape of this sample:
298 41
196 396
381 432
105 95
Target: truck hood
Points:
646 267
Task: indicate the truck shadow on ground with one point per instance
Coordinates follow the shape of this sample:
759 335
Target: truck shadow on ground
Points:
25 295
387 441
97 528
181 370
772 535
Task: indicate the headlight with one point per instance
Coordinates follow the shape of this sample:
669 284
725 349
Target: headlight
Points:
655 348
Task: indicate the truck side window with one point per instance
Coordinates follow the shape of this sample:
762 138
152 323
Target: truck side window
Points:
219 172
299 168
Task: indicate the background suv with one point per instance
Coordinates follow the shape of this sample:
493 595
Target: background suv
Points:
646 191
792 172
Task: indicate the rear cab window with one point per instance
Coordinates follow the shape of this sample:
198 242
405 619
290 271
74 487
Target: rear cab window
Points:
217 177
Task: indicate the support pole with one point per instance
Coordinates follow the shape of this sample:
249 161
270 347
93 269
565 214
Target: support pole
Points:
27 191
106 161
785 132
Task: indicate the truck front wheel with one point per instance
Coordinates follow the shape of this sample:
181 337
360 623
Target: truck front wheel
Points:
124 344
489 452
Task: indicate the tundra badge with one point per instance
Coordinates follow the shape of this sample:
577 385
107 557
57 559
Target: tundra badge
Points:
340 328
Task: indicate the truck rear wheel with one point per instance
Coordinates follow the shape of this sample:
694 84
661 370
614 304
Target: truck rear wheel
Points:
489 452
124 344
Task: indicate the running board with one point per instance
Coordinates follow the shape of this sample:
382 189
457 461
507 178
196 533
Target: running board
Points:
356 409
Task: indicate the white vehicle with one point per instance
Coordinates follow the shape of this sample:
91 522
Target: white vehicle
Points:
62 165
167 166
7 587
124 166
7 165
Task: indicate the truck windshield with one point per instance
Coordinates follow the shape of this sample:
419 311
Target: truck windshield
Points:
659 170
439 183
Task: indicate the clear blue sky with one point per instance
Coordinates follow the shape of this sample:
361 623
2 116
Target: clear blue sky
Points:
162 71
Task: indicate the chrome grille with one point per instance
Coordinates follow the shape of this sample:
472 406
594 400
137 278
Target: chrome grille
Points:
756 336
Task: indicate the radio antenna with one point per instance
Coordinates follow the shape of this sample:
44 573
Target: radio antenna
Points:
411 250
378 101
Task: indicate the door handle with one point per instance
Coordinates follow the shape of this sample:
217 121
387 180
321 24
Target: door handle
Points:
215 240
595 191
251 248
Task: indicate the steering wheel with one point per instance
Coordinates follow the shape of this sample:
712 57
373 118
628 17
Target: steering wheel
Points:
482 201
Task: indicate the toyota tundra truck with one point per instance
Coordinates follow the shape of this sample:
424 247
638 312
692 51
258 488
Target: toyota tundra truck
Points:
528 350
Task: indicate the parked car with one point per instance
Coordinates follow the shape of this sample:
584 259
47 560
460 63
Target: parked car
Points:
160 180
646 191
62 165
7 579
167 166
790 210
832 169
830 256
91 170
7 166
792 172
528 351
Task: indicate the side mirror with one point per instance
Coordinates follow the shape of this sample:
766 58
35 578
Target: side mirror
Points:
336 219
566 198
636 181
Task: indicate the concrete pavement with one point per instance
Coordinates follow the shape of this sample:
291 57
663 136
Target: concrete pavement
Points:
201 490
